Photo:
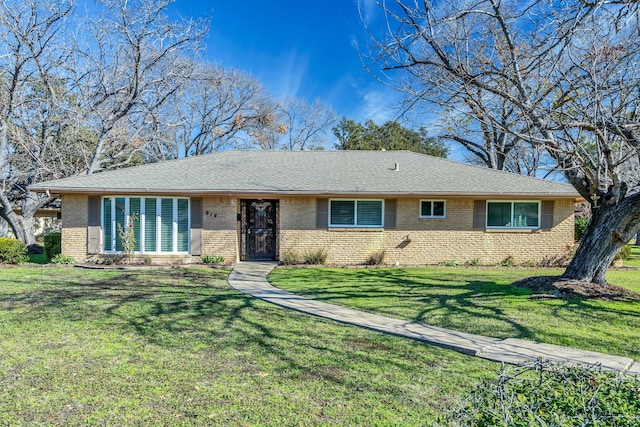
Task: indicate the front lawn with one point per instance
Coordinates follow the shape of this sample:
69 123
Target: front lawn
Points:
480 301
634 259
180 347
38 259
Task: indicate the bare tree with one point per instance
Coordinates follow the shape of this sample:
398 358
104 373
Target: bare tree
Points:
77 108
31 53
292 124
225 108
218 109
134 62
305 125
479 122
570 72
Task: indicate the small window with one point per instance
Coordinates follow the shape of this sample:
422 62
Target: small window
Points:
432 209
355 213
513 214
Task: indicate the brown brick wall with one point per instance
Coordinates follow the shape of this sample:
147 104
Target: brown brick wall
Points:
219 234
424 241
74 226
219 228
413 241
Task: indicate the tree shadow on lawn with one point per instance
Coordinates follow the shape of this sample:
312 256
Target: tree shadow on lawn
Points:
180 309
448 298
492 307
619 324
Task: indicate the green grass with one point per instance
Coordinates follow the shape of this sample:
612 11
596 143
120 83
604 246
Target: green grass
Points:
634 259
180 347
38 259
480 301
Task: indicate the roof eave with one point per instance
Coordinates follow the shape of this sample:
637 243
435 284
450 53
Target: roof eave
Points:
323 193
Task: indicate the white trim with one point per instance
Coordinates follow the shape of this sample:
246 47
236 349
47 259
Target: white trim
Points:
355 213
511 227
444 215
158 225
142 219
174 226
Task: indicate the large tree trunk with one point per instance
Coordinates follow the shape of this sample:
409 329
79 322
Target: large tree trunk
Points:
31 203
4 228
610 228
14 221
22 225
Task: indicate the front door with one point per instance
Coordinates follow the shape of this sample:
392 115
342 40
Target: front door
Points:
259 230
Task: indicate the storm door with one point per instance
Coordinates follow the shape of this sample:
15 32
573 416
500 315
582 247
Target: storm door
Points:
259 230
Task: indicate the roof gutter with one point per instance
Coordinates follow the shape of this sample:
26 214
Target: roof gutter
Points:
322 193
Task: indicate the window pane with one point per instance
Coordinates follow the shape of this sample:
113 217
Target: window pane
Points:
120 224
438 208
499 214
166 225
369 212
183 225
106 215
425 208
342 212
134 214
525 214
150 224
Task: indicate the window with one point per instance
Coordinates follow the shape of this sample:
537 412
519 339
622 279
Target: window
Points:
160 225
432 209
355 213
513 214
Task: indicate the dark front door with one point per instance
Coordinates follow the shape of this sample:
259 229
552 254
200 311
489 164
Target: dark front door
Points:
259 227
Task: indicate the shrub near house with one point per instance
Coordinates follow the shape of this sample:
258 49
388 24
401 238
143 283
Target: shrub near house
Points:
52 244
12 251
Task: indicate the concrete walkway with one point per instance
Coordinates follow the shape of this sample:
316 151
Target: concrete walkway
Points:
251 278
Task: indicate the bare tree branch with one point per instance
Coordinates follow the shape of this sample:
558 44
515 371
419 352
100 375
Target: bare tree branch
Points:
556 79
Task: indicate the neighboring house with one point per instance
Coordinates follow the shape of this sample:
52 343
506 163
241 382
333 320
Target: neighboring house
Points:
259 205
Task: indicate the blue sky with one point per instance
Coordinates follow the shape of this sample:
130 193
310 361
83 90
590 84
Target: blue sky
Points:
299 49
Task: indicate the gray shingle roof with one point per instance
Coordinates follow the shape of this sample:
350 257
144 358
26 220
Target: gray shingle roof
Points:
311 172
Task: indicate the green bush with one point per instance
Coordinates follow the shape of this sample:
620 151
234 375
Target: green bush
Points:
580 225
12 251
212 259
62 259
625 253
52 244
319 256
543 394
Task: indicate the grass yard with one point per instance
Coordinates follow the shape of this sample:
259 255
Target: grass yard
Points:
180 347
479 301
38 259
634 260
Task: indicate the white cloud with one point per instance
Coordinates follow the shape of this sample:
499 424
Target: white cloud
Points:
287 79
368 9
377 106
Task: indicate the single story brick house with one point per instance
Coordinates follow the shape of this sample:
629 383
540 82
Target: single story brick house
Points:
259 205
